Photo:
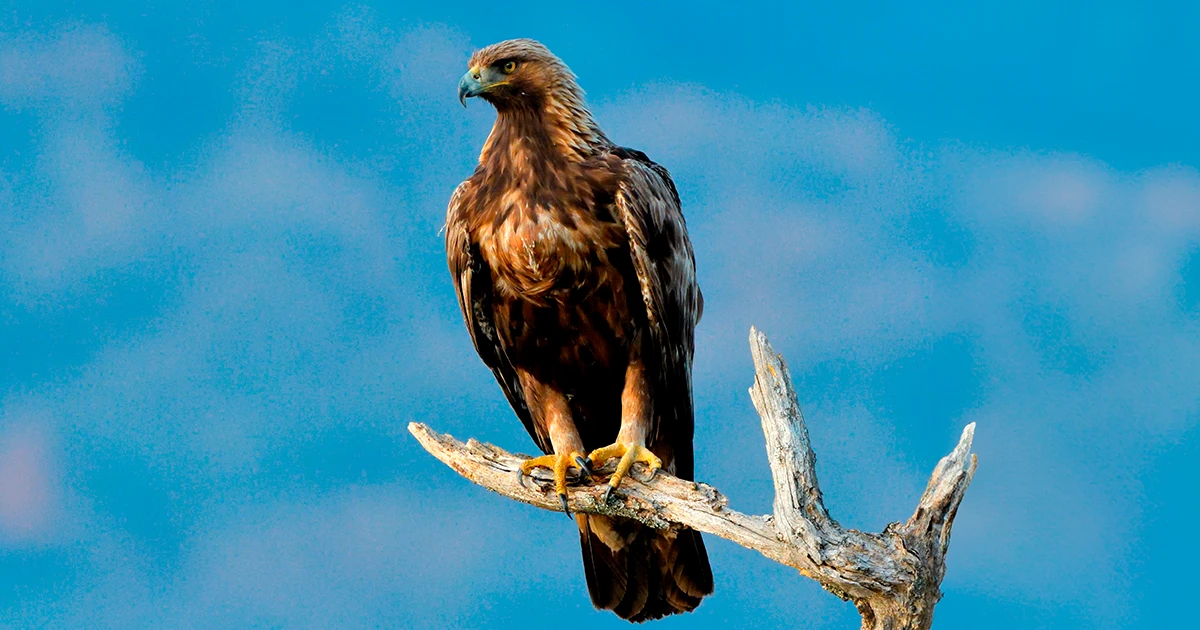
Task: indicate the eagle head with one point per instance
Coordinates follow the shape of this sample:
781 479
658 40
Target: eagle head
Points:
518 73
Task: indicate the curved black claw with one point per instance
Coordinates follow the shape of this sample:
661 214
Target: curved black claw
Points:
563 498
585 467
608 495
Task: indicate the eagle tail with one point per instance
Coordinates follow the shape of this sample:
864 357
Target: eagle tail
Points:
642 573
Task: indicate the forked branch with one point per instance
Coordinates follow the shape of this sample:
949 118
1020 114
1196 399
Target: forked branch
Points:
892 577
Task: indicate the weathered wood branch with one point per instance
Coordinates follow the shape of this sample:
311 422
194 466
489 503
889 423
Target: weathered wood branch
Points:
892 577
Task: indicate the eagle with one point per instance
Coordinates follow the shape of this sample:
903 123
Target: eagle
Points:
577 281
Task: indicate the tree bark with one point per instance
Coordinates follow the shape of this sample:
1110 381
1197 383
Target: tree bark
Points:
892 577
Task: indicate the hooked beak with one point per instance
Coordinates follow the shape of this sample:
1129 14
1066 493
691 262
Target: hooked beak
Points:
469 85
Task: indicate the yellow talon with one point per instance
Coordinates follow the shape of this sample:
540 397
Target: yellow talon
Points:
629 454
558 464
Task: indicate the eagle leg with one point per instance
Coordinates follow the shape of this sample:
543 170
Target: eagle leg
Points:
629 454
630 446
558 464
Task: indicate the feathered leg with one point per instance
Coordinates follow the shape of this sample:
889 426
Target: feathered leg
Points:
636 418
552 417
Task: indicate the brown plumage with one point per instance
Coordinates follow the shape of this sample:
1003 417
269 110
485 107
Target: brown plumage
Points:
577 281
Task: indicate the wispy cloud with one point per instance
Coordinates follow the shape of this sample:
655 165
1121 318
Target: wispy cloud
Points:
79 66
30 491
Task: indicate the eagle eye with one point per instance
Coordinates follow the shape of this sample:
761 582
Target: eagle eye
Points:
509 67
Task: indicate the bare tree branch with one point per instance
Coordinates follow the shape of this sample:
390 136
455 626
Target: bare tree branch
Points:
892 577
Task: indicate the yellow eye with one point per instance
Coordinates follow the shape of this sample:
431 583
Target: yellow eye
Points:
509 67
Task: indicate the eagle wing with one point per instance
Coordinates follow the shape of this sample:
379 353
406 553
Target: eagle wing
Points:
473 284
648 206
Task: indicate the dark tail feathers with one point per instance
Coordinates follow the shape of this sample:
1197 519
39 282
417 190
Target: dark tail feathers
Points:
642 573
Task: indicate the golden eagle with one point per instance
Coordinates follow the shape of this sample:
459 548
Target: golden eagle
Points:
577 281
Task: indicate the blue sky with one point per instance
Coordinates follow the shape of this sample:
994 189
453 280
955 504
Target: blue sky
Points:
223 296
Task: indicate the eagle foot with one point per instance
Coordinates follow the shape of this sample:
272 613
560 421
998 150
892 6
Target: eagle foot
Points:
558 464
629 454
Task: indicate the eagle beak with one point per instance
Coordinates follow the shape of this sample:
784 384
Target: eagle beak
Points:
469 86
